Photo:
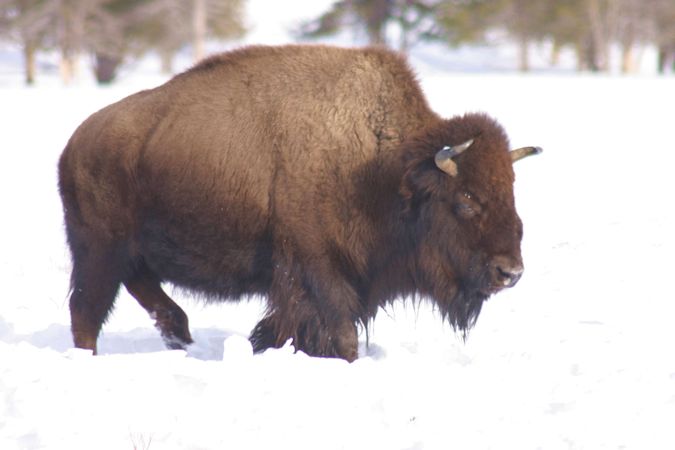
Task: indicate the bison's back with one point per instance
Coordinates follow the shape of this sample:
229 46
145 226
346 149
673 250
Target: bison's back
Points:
299 106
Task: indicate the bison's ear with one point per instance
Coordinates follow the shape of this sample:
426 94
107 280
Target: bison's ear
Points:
422 180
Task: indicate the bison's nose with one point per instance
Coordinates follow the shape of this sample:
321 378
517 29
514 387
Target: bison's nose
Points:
506 272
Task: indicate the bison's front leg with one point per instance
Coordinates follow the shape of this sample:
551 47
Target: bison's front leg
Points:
317 317
311 336
346 341
337 338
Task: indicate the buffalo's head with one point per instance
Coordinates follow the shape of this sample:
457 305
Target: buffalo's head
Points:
458 188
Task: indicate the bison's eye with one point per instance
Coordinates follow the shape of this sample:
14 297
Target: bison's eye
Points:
465 206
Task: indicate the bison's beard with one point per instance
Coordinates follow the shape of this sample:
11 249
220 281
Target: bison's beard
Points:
463 311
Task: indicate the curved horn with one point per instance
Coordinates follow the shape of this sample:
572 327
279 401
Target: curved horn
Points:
444 157
523 152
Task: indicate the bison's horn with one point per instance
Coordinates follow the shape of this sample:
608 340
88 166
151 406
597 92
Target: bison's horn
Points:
522 152
444 157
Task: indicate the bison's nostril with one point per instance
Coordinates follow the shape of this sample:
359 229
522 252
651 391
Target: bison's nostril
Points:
509 276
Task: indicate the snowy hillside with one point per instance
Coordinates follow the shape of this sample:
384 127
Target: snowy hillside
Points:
576 356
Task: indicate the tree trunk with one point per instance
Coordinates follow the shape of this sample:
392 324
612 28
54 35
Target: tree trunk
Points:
666 61
376 36
524 54
404 43
67 67
105 68
555 53
661 64
29 62
377 14
198 29
599 34
627 59
579 52
166 58
589 54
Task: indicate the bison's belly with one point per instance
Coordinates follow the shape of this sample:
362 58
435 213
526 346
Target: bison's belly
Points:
216 260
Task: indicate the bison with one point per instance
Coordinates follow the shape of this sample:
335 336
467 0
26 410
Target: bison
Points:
313 176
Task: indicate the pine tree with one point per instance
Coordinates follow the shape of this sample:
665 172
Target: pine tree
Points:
412 18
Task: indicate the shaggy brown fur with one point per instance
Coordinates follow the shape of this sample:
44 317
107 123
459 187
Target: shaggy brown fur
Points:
304 174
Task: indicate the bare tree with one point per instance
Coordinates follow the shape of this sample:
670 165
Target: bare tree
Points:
168 25
525 20
18 24
68 19
603 16
662 18
633 28
56 23
415 21
110 30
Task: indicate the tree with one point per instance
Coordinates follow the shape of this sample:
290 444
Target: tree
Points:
662 18
170 24
589 26
525 21
71 26
19 25
115 25
213 18
565 25
69 22
361 15
111 30
413 19
463 21
56 23
632 29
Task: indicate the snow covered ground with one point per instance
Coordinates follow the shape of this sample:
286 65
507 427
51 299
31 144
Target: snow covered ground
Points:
576 356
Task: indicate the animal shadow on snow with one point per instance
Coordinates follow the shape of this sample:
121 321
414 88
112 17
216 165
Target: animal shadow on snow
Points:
208 344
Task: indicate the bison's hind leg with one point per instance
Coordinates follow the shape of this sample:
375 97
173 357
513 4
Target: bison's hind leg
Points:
95 280
170 319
